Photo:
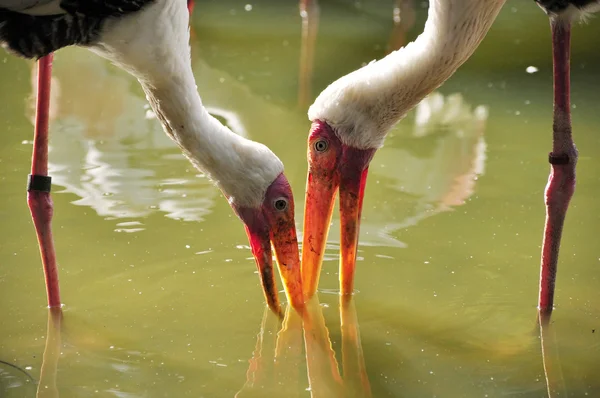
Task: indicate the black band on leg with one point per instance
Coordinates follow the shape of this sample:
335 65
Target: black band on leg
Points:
39 183
558 159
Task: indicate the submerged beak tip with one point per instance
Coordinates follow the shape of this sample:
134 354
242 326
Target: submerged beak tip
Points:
279 314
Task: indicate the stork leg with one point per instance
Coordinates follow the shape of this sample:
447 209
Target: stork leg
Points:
38 186
309 12
563 158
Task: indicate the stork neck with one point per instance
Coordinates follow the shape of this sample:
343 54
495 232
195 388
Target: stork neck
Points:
153 45
453 30
241 168
364 105
202 138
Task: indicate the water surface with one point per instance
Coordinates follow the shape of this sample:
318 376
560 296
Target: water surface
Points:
162 297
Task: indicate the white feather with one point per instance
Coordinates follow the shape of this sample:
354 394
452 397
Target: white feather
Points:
153 45
362 106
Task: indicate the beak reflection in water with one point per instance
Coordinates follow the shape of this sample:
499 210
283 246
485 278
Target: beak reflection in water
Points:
276 366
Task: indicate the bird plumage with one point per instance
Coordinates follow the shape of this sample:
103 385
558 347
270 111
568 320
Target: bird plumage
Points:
353 115
362 106
154 47
33 7
35 28
89 7
569 9
150 39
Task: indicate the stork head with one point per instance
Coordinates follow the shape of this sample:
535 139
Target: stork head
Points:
266 207
332 166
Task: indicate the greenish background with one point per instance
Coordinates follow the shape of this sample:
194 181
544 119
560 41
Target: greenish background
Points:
161 295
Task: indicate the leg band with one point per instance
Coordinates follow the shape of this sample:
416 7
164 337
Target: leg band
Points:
558 159
38 183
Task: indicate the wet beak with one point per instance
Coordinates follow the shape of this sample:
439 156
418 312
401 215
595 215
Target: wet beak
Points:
352 190
285 244
261 249
318 208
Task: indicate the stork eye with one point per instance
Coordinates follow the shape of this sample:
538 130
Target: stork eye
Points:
280 204
321 146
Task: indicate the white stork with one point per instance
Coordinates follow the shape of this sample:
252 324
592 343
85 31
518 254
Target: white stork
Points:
150 40
352 116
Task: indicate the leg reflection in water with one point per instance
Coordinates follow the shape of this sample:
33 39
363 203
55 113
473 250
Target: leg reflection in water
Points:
47 386
555 382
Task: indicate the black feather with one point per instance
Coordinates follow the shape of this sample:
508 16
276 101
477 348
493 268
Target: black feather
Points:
103 8
557 6
33 36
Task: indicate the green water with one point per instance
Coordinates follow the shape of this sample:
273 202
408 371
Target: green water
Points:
162 298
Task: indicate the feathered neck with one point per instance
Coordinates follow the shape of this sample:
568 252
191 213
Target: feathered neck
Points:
153 45
362 106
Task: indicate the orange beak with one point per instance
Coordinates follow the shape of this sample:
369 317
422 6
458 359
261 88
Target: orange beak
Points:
265 229
352 191
261 249
318 209
350 176
285 245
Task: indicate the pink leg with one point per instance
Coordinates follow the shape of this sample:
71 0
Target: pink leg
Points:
38 189
563 158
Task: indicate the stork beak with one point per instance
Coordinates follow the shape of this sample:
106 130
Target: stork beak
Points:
261 249
285 244
279 230
318 208
352 190
350 176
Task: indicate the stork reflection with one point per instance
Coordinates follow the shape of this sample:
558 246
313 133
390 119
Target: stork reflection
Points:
305 340
47 387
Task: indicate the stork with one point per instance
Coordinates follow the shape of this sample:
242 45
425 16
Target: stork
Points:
150 40
352 116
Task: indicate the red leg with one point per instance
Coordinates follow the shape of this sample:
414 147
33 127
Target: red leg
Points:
563 158
38 189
